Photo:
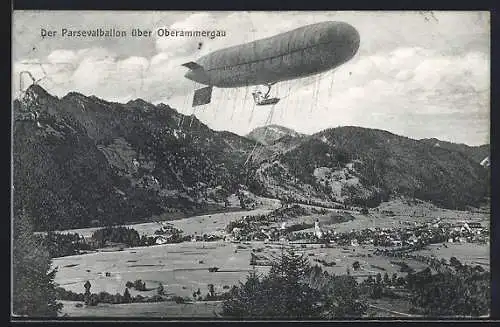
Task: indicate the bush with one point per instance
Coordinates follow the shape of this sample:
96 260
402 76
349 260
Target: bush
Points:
126 296
117 234
139 285
93 300
105 297
60 245
387 280
118 298
62 294
376 291
155 298
179 299
138 298
344 298
403 266
401 281
465 292
160 290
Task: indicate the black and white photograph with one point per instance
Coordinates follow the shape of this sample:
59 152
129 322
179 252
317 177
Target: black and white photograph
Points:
250 165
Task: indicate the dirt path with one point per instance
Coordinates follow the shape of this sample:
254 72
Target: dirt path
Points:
393 312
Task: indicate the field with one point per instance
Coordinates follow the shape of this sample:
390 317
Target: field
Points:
183 268
178 268
209 223
469 253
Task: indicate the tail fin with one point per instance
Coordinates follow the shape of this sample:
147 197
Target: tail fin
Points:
192 65
202 96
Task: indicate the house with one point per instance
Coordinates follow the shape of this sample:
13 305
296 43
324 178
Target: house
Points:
317 229
396 243
475 225
412 240
161 240
236 233
259 236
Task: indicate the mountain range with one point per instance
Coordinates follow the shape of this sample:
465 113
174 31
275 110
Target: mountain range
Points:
80 161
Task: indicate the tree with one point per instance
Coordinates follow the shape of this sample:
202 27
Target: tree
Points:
387 280
34 291
94 300
370 280
295 290
161 289
343 298
454 262
211 292
356 265
452 294
247 300
401 281
117 234
376 292
374 287
394 279
87 294
378 278
293 296
283 293
126 296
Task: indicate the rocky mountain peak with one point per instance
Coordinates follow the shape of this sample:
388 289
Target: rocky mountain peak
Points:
34 96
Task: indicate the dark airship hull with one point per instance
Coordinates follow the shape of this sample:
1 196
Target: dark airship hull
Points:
301 52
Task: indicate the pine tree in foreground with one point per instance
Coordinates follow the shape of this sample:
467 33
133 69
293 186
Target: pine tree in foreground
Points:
294 290
34 292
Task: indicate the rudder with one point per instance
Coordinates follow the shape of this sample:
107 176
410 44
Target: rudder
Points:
202 96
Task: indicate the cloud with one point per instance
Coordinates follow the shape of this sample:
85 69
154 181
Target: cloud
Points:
407 69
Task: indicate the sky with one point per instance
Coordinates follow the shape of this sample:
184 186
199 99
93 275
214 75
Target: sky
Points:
417 74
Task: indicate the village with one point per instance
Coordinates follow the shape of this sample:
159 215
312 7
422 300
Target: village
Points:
280 226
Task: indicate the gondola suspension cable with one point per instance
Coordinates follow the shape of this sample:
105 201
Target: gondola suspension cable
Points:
235 100
266 123
194 108
269 120
244 101
184 108
184 105
315 85
251 112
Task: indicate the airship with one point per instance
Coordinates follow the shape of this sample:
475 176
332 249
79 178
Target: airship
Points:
299 53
